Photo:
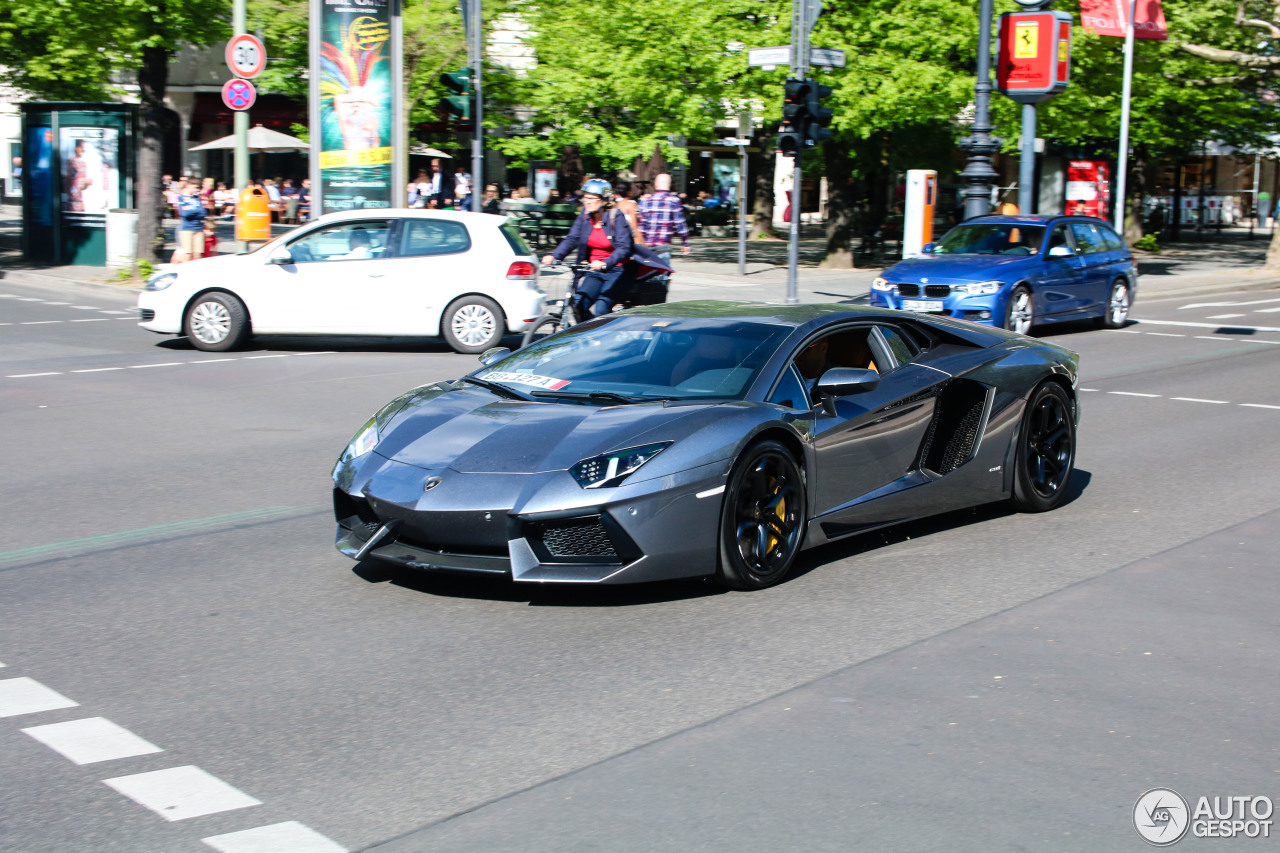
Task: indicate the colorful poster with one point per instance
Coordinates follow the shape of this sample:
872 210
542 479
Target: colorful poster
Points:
40 174
1110 18
90 169
358 99
1088 188
13 182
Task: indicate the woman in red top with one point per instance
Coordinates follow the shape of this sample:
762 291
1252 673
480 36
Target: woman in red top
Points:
602 237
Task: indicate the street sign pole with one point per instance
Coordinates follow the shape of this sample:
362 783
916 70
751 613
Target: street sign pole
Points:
803 14
240 119
1122 158
1027 162
477 116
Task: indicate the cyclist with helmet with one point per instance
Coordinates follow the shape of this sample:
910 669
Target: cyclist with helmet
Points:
602 236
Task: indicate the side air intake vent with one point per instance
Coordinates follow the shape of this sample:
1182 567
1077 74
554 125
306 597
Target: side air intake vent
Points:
957 425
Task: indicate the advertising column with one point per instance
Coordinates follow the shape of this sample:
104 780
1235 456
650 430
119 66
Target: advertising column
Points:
357 143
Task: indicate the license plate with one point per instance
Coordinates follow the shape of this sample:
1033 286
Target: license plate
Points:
922 305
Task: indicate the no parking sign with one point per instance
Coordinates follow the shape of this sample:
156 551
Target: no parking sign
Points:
239 94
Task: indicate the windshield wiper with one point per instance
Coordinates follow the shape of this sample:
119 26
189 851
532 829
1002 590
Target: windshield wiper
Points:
496 388
591 395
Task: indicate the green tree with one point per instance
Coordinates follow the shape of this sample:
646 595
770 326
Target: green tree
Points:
56 49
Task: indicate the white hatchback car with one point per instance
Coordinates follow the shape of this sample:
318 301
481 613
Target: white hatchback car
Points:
466 277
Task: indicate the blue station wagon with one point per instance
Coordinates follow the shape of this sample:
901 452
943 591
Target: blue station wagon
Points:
1017 272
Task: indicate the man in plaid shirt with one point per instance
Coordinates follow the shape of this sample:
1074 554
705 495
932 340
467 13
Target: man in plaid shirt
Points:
662 217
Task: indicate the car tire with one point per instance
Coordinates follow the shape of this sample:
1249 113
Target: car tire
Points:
216 322
763 518
1046 450
473 324
1019 312
1117 308
546 326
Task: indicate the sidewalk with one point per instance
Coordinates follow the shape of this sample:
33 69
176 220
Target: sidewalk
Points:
1220 261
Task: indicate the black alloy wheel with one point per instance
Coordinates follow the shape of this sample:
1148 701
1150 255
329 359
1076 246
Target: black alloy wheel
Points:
763 519
1046 450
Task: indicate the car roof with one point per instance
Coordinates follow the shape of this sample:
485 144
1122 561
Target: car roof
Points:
413 213
1018 219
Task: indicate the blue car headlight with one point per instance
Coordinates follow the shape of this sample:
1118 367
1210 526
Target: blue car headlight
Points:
981 288
881 284
610 469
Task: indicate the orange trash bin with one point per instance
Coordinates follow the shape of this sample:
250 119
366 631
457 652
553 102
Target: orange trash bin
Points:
253 216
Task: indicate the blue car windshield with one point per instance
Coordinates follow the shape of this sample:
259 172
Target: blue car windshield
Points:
991 238
642 357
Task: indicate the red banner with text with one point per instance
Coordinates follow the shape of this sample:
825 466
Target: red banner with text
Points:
1109 18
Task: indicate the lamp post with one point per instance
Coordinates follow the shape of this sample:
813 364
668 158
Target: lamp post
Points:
981 145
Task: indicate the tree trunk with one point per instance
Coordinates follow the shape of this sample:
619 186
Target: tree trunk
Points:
839 214
761 167
1273 252
571 171
1175 225
153 78
1138 181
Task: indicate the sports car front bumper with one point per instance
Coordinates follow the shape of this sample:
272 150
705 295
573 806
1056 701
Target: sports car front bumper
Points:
539 527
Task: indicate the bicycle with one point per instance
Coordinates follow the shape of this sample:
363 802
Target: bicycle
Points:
560 314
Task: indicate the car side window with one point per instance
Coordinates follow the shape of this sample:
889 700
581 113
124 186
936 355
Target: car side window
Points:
1086 238
1058 238
350 241
903 348
1109 238
432 237
790 391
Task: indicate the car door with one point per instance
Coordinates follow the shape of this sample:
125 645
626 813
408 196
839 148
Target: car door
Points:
432 264
1059 282
333 283
866 445
1094 257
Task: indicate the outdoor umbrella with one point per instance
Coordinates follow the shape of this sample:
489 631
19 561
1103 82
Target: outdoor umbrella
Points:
261 139
420 150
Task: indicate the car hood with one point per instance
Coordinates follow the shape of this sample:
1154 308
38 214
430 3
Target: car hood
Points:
958 269
470 430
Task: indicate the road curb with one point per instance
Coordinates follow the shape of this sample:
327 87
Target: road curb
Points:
35 277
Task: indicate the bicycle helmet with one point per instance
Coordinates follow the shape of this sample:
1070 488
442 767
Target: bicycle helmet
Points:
600 187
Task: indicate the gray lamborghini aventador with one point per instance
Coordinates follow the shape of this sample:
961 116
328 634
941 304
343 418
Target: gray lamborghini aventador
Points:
706 438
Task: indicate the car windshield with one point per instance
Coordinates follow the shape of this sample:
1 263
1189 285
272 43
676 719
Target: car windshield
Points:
643 357
991 238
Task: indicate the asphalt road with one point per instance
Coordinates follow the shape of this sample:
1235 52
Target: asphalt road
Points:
167 566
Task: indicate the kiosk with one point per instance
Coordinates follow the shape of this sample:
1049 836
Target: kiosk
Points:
922 198
79 166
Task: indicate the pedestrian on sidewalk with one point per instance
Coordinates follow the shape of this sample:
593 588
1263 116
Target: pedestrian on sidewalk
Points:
190 212
662 219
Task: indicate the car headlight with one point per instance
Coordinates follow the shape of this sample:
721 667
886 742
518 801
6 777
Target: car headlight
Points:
881 284
365 440
160 281
610 469
980 288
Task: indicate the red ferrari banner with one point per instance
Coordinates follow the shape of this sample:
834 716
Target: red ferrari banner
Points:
1109 17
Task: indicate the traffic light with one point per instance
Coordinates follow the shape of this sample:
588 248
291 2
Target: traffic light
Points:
818 115
461 83
795 117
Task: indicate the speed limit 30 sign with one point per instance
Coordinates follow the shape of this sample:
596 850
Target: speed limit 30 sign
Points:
246 57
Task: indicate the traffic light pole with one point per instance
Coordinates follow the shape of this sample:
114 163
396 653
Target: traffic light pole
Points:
477 140
800 25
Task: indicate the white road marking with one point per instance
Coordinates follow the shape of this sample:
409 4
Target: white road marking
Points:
1209 325
709 492
27 375
161 364
116 311
91 740
1222 316
1129 331
127 319
1257 341
1199 400
91 320
86 307
1132 394
287 837
38 322
1208 338
57 303
211 361
9 296
97 369
277 355
181 792
1266 310
1225 304
28 696
1259 406
26 299
1088 389
318 352
6 324
1166 334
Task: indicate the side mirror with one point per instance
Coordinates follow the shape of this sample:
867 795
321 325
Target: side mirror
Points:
1061 252
281 257
843 381
489 356
927 248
